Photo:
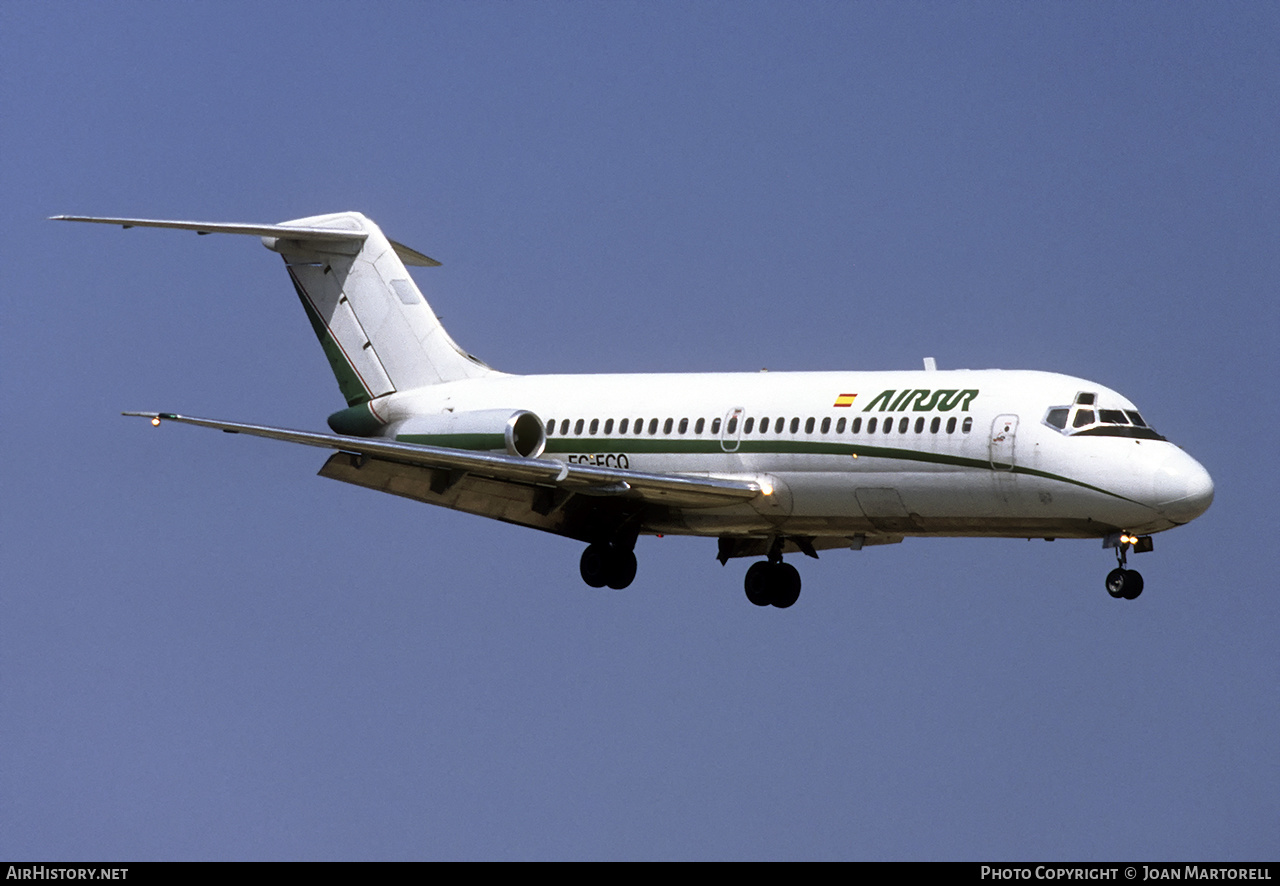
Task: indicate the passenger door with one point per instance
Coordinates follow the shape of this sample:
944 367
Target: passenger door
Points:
1004 432
731 429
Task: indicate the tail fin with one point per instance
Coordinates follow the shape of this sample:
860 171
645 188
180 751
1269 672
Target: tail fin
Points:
379 333
377 330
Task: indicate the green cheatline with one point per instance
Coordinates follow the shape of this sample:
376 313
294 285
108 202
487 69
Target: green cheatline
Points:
668 446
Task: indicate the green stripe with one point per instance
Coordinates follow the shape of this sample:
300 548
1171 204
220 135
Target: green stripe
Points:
667 446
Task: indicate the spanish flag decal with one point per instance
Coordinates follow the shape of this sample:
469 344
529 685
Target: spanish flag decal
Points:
845 400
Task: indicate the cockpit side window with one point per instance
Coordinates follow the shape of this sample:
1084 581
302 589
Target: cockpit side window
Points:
1057 418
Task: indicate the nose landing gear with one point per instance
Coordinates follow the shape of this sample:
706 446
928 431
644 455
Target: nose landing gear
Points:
1126 583
1121 582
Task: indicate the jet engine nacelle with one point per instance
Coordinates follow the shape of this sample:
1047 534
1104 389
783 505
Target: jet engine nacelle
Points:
517 431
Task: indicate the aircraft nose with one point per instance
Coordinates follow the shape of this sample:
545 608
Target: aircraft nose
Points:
1183 488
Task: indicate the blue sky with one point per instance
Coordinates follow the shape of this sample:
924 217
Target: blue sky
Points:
208 652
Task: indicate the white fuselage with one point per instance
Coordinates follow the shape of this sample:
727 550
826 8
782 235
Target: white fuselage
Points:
767 462
950 453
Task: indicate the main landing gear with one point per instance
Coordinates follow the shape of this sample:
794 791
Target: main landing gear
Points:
1121 582
772 583
608 564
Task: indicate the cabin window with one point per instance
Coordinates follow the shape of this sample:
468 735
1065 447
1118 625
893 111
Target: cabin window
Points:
839 425
951 425
934 425
967 426
564 427
551 427
684 426
856 427
608 427
622 427
595 426
750 423
577 427
795 425
701 423
808 425
666 426
871 426
888 426
733 425
653 426
826 425
919 425
715 425
764 425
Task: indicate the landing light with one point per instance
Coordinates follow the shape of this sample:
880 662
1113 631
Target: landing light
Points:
155 421
766 488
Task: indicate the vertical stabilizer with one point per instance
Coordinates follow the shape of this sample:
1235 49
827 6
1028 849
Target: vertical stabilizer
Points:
377 330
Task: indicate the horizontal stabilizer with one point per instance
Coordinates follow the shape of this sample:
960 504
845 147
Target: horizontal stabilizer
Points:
293 232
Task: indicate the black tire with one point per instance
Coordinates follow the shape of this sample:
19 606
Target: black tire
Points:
1117 581
759 583
622 568
786 587
1132 584
594 565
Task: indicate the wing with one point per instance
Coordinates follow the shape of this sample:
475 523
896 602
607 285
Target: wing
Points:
539 492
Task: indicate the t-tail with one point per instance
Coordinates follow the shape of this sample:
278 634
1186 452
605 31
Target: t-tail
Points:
378 332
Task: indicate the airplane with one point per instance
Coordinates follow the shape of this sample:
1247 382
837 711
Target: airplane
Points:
767 463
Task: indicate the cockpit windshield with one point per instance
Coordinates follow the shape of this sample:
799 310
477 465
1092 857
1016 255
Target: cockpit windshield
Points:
1084 419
